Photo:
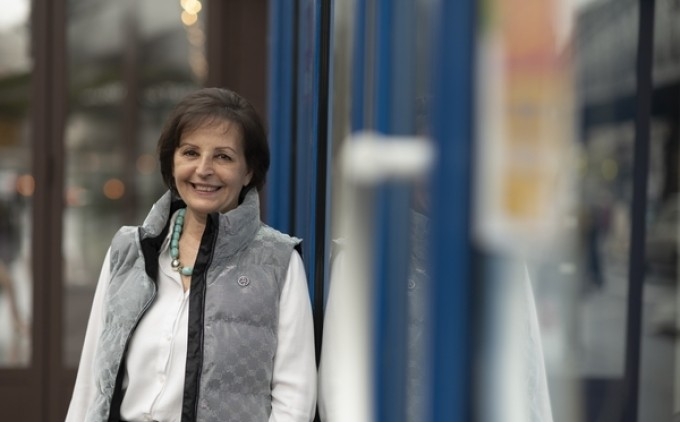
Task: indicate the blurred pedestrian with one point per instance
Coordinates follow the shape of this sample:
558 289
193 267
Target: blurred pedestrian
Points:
10 244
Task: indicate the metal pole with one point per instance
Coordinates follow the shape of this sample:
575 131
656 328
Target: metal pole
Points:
636 260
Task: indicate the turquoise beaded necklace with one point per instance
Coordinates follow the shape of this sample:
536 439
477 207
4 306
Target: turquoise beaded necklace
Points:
174 245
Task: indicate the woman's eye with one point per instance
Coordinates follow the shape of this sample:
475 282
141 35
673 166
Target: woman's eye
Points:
189 153
224 157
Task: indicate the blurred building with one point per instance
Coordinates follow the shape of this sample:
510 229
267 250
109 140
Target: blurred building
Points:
606 41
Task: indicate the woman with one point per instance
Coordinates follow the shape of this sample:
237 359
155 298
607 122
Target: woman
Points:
202 313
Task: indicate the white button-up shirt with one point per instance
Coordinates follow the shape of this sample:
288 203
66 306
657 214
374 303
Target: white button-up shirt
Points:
155 365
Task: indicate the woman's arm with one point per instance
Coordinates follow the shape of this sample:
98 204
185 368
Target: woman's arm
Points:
84 389
294 377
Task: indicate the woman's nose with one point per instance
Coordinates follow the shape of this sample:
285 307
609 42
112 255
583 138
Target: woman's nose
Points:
205 166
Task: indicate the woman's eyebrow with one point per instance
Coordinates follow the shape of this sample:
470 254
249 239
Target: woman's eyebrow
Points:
232 149
219 147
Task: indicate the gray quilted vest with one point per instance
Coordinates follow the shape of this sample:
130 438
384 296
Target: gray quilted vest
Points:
233 312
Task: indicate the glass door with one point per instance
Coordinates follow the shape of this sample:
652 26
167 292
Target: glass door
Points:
17 187
84 89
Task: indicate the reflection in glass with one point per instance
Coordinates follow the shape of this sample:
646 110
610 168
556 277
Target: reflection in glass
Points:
345 386
556 132
605 42
129 63
523 223
16 185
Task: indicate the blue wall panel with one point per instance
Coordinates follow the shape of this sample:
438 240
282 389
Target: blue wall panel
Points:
281 113
451 250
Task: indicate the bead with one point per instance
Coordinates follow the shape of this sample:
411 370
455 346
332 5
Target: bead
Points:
186 271
174 245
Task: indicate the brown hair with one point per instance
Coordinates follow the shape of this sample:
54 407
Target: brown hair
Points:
214 105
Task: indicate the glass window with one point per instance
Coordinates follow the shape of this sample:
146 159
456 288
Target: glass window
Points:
568 131
16 185
553 154
129 63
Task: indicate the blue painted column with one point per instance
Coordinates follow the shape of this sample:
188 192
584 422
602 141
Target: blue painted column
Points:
452 110
299 83
393 113
281 113
307 132
358 118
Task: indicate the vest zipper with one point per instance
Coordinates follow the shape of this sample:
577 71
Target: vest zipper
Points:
202 320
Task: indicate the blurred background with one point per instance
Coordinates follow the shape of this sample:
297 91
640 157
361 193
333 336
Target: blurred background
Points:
510 252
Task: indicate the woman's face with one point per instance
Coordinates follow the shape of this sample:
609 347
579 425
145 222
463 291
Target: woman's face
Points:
209 168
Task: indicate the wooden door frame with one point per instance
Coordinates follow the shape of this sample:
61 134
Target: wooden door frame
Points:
49 103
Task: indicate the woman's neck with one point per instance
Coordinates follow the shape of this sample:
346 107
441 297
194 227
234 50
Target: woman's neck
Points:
194 225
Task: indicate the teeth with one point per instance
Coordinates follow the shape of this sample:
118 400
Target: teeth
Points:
205 188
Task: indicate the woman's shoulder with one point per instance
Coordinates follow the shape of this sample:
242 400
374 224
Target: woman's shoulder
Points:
124 244
266 232
125 235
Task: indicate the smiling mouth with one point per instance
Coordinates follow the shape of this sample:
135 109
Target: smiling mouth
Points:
205 188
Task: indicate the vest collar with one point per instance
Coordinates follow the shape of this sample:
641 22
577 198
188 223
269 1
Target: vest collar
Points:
236 227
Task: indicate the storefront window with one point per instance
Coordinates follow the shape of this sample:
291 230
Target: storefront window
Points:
16 185
129 63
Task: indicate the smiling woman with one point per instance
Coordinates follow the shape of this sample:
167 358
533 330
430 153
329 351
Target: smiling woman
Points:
210 168
203 288
85 87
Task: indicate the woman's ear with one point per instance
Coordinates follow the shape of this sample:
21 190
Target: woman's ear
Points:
249 178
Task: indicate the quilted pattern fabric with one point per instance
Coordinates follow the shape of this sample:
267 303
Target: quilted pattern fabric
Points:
241 294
